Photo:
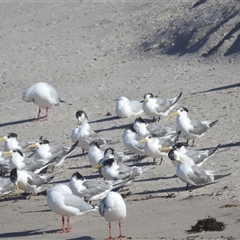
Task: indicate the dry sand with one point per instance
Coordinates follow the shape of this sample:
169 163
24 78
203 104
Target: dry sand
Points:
94 52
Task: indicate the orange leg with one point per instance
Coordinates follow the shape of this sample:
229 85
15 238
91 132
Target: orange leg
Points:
63 227
46 118
120 230
39 111
110 231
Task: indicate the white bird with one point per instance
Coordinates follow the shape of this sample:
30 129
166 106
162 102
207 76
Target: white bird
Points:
62 201
11 142
190 173
95 154
113 209
158 147
191 129
6 186
131 141
128 108
83 132
43 95
110 170
143 128
29 181
156 107
198 156
92 189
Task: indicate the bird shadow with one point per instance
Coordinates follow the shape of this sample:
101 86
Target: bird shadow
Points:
23 233
124 126
19 122
218 88
81 238
105 119
155 179
229 145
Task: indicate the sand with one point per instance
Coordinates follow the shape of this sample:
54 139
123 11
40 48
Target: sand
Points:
94 52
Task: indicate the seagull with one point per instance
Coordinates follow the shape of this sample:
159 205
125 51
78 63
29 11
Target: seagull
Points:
191 129
43 95
95 154
29 181
92 189
110 170
83 132
156 147
190 173
126 108
6 186
11 142
113 209
143 128
131 141
155 107
62 201
198 156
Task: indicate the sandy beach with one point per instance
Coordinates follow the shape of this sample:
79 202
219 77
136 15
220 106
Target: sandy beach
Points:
93 52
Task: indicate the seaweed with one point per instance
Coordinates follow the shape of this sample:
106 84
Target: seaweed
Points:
207 224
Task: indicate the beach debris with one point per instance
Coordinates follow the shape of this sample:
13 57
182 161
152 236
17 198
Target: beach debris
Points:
206 225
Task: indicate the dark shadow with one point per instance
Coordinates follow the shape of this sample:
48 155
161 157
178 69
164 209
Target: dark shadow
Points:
190 32
155 179
198 3
106 119
229 145
167 190
77 155
19 122
85 166
22 234
47 210
124 126
81 238
218 88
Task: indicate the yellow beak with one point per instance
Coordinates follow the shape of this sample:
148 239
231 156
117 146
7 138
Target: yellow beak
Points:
165 149
79 121
97 166
180 160
143 140
174 114
16 185
7 153
2 139
34 145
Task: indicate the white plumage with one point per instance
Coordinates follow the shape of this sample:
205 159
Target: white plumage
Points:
113 209
127 108
43 95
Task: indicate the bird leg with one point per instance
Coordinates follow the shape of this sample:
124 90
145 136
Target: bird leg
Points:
38 116
193 142
120 231
68 224
110 231
187 143
63 228
46 118
161 161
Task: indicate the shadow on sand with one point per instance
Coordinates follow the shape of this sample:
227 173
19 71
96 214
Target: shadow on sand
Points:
19 122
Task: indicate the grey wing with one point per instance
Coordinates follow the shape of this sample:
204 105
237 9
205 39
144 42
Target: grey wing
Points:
101 208
77 202
6 185
198 127
199 177
136 106
35 179
95 187
124 171
160 131
162 105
